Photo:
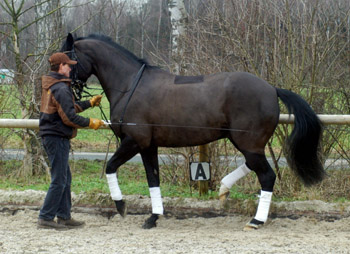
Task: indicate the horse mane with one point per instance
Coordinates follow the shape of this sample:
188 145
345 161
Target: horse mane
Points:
120 48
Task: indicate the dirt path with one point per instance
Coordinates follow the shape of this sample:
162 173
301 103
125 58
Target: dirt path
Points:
19 234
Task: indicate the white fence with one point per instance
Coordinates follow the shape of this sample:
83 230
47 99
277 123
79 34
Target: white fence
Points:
284 118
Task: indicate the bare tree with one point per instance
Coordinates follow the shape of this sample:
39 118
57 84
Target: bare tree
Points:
117 9
27 67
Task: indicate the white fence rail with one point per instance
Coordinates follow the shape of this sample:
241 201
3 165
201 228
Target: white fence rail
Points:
325 119
284 118
24 123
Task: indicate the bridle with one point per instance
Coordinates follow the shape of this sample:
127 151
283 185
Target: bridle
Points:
77 85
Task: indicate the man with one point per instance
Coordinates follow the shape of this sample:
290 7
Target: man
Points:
58 124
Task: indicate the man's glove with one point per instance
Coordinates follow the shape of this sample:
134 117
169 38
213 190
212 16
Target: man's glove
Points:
96 100
95 123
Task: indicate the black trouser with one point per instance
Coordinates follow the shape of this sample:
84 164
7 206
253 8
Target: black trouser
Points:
58 198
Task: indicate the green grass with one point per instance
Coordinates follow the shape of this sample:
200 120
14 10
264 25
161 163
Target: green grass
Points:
132 181
86 178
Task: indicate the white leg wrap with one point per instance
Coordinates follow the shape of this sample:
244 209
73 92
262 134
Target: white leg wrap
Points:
264 206
112 180
235 175
156 197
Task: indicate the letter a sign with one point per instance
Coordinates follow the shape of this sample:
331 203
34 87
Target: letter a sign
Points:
200 171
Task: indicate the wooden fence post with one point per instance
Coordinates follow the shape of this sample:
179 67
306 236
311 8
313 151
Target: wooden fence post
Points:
203 186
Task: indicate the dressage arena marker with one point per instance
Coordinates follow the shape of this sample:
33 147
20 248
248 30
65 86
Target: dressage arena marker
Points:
200 171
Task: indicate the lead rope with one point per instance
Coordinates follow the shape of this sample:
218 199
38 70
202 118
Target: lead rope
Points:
103 169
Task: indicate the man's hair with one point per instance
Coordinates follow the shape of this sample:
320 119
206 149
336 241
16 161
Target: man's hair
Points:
55 67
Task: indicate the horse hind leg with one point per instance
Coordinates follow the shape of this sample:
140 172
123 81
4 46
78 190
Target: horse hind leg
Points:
266 176
228 181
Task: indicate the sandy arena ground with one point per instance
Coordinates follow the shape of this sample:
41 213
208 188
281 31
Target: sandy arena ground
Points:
19 234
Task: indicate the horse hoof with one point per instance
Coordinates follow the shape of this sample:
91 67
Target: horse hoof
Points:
121 207
250 227
148 225
150 222
253 225
223 193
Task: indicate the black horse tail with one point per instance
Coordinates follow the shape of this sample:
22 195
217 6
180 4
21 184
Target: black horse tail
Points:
303 144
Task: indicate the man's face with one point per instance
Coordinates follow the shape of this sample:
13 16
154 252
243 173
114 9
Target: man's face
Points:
64 69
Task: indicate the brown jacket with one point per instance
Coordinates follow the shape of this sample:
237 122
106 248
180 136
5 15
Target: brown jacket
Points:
58 110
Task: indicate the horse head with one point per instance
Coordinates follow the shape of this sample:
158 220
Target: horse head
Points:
82 70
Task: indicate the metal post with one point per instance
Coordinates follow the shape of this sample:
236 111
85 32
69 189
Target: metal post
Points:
203 186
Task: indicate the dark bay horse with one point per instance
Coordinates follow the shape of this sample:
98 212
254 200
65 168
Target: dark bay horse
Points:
150 107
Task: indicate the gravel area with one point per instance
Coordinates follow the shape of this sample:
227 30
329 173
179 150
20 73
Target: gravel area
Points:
294 227
19 234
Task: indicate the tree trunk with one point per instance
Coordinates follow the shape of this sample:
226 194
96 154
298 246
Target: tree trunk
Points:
178 24
159 24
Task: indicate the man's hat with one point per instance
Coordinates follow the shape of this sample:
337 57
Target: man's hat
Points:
58 58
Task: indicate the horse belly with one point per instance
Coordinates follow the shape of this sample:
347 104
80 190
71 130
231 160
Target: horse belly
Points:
182 136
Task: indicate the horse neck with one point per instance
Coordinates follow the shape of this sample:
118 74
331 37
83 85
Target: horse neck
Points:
115 75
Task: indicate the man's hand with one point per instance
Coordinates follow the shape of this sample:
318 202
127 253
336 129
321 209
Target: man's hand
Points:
95 123
96 100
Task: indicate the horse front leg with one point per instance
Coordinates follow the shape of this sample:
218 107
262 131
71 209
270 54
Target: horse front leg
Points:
125 152
150 161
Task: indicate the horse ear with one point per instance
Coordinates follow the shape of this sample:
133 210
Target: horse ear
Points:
69 41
